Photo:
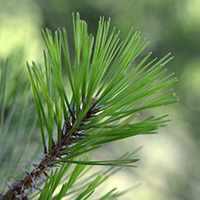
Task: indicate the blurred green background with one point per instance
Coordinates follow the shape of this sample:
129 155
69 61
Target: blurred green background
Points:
170 161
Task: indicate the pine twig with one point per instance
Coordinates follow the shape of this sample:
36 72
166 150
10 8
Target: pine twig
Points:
17 191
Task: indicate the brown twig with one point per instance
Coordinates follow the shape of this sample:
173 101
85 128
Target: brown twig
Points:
17 191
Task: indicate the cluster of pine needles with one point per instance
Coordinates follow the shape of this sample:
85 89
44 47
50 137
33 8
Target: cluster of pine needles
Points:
107 94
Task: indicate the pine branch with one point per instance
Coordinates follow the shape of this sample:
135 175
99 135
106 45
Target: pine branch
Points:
107 94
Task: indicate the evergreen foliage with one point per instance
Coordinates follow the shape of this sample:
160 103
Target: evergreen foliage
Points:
107 94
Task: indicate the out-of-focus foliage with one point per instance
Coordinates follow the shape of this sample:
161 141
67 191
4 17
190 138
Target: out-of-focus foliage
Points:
170 160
